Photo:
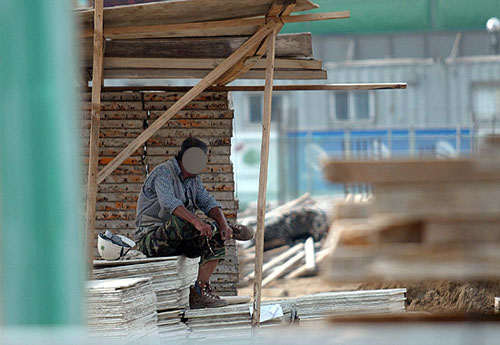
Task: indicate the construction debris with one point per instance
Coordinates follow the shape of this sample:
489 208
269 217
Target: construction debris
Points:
121 309
294 221
497 304
171 277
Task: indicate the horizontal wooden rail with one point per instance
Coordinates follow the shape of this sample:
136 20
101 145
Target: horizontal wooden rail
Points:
176 29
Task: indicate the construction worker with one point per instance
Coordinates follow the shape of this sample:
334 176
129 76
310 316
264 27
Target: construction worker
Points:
166 223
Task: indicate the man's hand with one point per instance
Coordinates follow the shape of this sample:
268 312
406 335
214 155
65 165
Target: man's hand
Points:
204 228
226 232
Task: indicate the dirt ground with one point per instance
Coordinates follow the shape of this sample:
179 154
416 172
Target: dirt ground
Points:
433 297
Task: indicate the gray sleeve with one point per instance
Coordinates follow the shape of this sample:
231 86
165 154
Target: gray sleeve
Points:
164 187
204 199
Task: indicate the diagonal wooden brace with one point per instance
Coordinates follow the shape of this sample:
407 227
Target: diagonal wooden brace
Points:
188 97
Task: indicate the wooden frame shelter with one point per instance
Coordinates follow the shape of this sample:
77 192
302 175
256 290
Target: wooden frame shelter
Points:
217 41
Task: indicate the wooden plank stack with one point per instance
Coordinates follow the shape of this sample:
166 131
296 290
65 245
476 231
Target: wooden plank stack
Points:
209 117
171 277
313 308
231 322
122 310
170 281
428 219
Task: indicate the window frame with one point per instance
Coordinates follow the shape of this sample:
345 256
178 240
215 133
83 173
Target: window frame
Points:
351 108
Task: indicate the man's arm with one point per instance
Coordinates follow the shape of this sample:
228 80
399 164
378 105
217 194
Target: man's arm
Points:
207 203
201 226
217 215
164 190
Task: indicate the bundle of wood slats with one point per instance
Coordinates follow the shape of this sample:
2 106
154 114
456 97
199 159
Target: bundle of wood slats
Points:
320 306
233 321
171 276
122 310
428 219
123 114
170 280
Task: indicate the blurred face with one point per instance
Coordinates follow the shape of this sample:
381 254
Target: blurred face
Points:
194 161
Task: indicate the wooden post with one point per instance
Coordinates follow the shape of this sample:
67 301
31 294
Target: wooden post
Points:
98 54
264 159
207 81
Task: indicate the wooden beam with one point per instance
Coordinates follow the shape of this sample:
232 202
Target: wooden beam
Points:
176 12
184 100
98 53
287 46
173 63
210 28
246 63
247 88
140 73
315 17
407 171
264 160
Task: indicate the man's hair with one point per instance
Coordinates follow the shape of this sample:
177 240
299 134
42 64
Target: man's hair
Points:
191 142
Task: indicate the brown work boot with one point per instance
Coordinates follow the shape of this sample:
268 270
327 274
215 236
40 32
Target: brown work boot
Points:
241 232
201 296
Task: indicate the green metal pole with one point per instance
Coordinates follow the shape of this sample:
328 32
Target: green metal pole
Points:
41 237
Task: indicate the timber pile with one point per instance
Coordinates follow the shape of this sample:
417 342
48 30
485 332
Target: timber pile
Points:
233 321
208 117
122 310
171 277
302 259
187 39
291 222
320 306
437 219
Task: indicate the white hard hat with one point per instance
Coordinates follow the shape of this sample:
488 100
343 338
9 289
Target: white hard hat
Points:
113 247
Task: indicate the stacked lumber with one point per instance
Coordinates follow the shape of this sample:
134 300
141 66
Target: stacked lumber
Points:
170 325
171 276
122 310
188 39
232 322
291 222
320 306
123 114
428 219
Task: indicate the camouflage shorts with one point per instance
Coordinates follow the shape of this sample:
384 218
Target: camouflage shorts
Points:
178 237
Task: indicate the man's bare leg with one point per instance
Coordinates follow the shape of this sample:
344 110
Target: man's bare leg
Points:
206 270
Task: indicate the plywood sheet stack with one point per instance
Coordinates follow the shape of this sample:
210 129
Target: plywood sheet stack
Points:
171 277
208 117
122 310
232 322
428 219
317 307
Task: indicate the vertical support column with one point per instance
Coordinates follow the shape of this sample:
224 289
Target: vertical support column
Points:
41 256
264 160
98 53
